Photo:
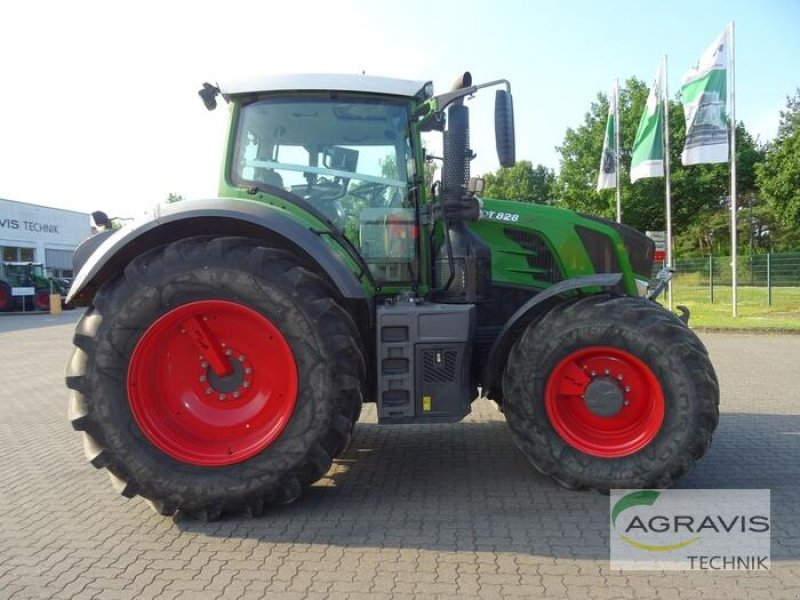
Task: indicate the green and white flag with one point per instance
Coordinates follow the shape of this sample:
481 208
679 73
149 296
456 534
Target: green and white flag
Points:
647 157
608 161
704 96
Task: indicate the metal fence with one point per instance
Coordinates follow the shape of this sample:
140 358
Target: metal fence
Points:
707 276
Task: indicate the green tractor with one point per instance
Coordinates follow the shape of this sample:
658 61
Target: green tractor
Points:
229 343
25 285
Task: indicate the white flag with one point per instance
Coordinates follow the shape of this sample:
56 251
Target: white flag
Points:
647 156
704 96
608 161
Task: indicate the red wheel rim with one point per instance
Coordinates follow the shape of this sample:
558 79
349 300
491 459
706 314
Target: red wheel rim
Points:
42 300
621 375
186 408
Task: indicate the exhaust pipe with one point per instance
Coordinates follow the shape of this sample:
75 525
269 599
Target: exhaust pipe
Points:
457 155
463 265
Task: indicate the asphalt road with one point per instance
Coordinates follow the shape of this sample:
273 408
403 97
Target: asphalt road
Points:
450 511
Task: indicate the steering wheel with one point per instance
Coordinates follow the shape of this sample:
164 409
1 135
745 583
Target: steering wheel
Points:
368 190
322 188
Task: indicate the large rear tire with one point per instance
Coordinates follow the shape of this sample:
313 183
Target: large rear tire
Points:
6 299
611 392
215 377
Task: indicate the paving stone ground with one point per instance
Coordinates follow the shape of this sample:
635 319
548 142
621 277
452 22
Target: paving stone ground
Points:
431 511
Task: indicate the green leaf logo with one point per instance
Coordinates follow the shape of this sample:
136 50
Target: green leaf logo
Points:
643 498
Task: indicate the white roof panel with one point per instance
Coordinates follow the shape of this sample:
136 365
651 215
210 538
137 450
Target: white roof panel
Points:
324 82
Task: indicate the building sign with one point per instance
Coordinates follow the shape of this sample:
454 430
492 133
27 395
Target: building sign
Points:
14 224
22 222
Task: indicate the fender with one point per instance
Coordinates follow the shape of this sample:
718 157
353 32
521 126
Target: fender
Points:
533 308
222 216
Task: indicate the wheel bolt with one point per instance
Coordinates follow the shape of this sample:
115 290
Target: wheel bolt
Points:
222 396
241 358
607 371
627 388
208 391
593 374
626 403
202 378
619 376
248 370
228 352
246 384
235 394
204 364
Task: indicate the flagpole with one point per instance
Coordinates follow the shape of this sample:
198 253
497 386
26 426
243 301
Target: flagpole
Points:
667 190
616 150
732 50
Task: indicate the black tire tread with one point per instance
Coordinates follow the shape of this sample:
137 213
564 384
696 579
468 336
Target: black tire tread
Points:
339 353
606 317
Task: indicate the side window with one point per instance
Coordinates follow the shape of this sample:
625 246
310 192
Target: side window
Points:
349 160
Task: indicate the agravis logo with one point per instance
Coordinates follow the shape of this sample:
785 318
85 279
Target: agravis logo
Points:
690 529
646 498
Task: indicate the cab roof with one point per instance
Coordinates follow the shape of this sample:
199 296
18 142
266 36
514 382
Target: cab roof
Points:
324 82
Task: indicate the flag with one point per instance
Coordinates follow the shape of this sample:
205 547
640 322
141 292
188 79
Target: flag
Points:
704 97
647 156
608 161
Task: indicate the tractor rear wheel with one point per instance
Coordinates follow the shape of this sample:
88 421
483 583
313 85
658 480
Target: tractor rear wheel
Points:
6 299
216 376
611 392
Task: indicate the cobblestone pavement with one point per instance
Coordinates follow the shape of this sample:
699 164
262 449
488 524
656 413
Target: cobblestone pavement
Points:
445 511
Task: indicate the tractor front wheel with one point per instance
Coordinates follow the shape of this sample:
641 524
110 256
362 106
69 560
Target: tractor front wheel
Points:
215 376
611 392
41 299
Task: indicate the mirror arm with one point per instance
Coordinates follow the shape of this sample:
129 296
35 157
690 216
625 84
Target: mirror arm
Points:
444 100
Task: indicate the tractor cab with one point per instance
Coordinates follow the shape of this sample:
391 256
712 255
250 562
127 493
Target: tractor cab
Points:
348 149
24 274
347 158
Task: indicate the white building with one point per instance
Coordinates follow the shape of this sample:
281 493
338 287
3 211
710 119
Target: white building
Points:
33 233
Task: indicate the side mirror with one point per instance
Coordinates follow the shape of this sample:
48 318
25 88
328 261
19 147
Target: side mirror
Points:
101 219
209 96
504 128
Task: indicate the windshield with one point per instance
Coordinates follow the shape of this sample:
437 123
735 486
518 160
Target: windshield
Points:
351 159
24 274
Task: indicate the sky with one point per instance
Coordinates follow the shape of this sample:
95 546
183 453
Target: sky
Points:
99 107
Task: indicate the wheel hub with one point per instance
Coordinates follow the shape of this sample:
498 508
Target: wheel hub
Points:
231 385
604 402
194 389
604 397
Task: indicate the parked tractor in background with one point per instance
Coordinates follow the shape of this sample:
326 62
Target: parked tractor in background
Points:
229 343
26 285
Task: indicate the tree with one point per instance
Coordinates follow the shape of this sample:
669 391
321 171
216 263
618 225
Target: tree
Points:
173 197
522 182
580 161
699 192
778 177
